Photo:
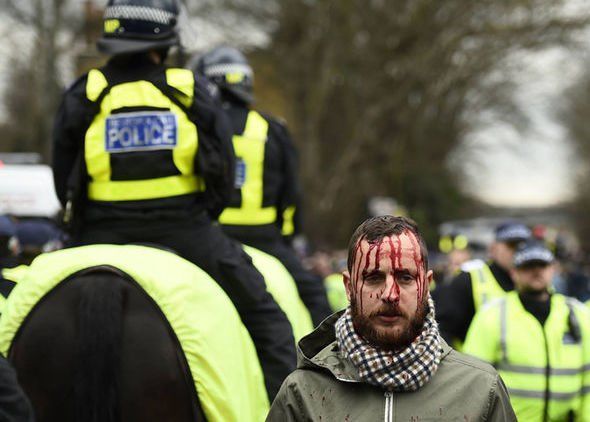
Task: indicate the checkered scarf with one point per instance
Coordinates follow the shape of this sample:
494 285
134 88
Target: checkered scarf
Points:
407 370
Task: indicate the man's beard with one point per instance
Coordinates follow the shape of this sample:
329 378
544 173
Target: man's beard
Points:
390 341
534 293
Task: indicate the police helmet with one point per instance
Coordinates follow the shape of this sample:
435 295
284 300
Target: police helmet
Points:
229 69
138 25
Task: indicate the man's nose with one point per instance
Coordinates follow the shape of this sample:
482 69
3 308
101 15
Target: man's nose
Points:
391 292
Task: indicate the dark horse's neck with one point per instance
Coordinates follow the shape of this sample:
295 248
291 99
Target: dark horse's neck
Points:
97 348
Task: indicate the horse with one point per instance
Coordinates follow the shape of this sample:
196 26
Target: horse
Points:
117 360
100 346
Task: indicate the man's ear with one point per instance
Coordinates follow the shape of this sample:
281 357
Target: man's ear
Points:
347 284
513 274
429 277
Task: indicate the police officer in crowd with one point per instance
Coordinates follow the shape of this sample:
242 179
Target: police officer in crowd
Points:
9 246
143 154
37 236
479 282
264 200
9 250
539 341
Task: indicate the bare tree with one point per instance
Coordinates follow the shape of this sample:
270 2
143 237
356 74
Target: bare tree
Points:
574 115
35 82
382 93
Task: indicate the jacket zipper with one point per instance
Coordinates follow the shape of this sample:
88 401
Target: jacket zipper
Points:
547 375
388 407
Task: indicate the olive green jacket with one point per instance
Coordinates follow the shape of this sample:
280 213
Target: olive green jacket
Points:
326 387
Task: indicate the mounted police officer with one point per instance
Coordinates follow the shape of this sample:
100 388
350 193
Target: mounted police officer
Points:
142 153
263 206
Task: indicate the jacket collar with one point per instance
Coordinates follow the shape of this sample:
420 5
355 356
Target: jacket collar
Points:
319 350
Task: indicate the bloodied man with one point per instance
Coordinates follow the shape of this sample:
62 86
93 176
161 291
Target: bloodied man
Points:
383 355
386 284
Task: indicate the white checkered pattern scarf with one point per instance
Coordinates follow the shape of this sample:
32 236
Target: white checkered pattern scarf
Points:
407 370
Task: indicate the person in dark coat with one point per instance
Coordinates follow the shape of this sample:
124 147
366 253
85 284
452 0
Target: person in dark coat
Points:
264 209
142 154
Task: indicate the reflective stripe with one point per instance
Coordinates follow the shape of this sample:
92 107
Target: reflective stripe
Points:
288 223
141 13
235 216
483 297
503 330
586 389
521 369
249 147
529 394
225 68
137 190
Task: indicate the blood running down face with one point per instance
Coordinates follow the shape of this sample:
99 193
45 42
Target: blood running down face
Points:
387 285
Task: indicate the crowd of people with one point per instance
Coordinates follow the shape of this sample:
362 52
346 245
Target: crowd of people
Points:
179 159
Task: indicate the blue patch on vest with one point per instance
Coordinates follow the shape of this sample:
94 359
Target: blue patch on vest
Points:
141 131
240 173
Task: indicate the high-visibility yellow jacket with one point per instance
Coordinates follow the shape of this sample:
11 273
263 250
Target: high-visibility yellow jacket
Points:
218 349
265 195
249 147
336 292
283 289
484 285
546 368
141 145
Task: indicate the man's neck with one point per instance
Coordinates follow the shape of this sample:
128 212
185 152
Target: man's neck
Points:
537 304
155 57
502 276
535 295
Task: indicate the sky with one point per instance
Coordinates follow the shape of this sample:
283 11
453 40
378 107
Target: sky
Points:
535 166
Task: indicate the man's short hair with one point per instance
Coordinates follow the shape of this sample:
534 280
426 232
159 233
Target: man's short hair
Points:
376 228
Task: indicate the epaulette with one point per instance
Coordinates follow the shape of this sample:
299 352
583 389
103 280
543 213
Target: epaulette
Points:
473 264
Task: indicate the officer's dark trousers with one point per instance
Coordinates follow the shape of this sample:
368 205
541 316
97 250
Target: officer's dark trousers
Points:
310 286
203 243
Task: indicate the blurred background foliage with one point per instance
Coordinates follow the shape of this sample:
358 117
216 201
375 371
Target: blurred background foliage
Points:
379 95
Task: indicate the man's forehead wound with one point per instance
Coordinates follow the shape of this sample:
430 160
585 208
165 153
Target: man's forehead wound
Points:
393 236
382 245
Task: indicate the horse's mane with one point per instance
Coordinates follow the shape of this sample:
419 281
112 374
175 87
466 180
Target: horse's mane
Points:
98 356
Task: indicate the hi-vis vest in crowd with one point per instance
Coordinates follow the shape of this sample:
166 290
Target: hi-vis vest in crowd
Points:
157 125
218 349
546 368
484 285
249 148
11 276
282 287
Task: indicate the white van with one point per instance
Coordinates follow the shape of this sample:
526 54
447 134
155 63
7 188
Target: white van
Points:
27 191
